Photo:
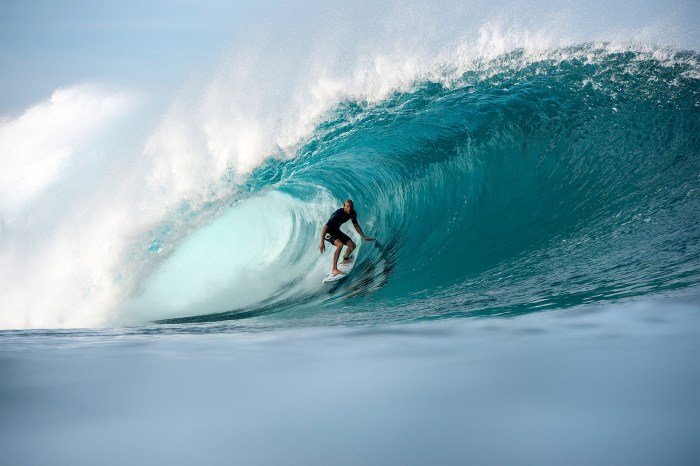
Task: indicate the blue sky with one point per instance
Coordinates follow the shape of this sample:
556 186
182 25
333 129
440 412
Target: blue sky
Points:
47 44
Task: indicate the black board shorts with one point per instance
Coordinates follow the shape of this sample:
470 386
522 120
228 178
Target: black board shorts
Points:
331 236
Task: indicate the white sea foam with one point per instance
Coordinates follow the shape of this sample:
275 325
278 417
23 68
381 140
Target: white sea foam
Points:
37 145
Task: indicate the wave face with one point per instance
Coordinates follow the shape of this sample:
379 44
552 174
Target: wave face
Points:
520 185
497 180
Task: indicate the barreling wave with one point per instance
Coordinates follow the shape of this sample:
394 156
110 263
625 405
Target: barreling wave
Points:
520 184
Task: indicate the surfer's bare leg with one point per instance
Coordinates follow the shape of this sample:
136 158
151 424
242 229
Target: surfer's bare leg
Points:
348 252
336 255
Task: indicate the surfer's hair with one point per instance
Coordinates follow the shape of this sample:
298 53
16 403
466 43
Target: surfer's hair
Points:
352 204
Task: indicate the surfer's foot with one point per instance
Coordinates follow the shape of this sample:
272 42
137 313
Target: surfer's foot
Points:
347 261
337 272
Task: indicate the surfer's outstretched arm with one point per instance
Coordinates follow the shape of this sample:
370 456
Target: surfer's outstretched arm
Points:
359 230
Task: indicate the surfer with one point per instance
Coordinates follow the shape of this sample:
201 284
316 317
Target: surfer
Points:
331 233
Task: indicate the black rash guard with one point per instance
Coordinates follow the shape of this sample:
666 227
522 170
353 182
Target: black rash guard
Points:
339 217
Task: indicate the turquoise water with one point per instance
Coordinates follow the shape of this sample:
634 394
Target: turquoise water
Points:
523 185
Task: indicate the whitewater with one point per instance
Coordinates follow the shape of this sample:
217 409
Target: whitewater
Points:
531 174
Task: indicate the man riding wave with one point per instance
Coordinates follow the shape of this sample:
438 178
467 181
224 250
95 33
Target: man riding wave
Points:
331 233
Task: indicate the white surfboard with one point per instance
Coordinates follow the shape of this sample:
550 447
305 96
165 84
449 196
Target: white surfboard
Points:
342 267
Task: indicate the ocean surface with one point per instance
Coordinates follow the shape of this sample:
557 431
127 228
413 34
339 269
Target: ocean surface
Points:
533 295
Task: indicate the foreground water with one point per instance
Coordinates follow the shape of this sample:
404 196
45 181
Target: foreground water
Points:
606 384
